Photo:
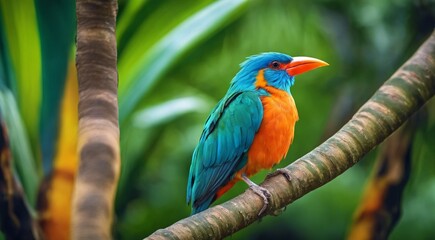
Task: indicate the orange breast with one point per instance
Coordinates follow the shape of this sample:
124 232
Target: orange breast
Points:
273 139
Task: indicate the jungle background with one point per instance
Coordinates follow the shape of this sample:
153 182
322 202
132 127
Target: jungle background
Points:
175 61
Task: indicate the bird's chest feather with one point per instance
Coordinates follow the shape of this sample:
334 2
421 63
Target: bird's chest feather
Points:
273 139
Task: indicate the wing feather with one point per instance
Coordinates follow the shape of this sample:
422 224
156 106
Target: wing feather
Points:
221 151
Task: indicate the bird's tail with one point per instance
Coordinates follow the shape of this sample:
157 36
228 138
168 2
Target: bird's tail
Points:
200 206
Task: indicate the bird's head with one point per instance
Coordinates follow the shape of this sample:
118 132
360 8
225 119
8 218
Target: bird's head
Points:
272 69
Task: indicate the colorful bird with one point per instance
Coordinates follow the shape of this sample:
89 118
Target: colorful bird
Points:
250 129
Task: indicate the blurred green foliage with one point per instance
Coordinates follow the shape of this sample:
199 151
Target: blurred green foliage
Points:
176 59
364 42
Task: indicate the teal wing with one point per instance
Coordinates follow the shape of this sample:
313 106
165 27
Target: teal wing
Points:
222 149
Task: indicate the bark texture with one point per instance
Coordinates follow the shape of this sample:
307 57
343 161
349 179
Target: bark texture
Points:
98 143
395 101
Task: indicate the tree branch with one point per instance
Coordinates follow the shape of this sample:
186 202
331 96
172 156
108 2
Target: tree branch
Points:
98 142
381 204
397 99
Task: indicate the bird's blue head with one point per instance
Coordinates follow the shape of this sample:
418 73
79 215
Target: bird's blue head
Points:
272 69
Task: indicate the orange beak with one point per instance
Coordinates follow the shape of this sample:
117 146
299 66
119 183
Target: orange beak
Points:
303 64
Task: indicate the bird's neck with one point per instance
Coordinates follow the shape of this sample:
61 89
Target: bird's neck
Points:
261 83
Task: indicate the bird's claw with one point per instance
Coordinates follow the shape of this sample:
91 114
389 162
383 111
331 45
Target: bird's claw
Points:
264 194
284 171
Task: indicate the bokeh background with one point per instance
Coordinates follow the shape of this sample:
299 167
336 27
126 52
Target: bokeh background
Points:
176 59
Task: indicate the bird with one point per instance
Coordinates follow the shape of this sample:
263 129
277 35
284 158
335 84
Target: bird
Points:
250 129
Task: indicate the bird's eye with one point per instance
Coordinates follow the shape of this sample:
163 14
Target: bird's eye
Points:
275 64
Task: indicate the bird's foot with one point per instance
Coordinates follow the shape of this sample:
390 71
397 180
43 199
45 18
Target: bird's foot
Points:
264 194
284 171
261 192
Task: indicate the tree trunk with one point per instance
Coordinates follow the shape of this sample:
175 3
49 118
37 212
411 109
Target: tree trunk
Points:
399 97
98 142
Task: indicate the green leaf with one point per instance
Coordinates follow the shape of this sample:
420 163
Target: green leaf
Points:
137 19
57 29
168 111
21 33
147 125
7 75
136 79
127 15
20 146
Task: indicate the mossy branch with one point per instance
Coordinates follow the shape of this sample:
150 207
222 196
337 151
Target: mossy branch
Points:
395 101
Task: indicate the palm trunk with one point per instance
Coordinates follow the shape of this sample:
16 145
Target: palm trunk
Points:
98 143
